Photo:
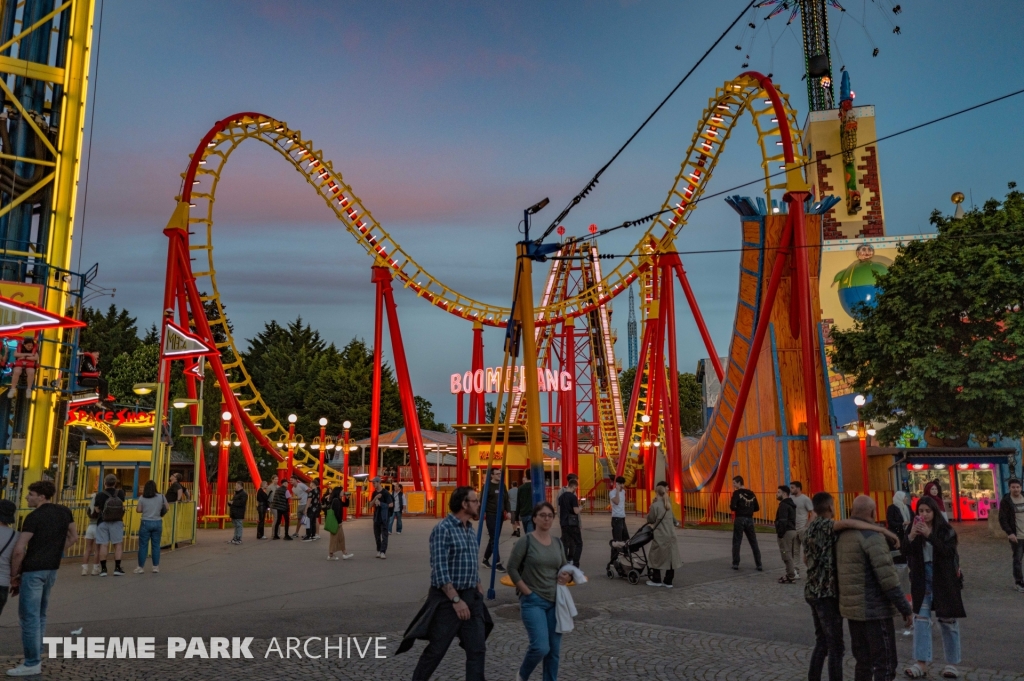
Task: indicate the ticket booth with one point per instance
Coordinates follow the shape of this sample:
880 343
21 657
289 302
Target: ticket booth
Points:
973 480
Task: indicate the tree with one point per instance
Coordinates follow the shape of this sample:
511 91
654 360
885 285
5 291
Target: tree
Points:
691 402
128 369
944 344
112 334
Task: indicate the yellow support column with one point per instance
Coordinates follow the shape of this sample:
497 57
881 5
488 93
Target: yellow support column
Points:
74 79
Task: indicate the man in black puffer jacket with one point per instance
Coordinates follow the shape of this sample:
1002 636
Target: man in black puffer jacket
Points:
785 529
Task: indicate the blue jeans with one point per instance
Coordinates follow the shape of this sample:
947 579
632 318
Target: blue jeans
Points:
527 523
150 532
545 644
950 629
396 516
238 528
35 596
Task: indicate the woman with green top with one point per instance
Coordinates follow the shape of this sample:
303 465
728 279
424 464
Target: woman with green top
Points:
534 568
665 547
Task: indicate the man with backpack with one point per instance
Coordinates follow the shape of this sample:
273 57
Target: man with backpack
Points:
109 510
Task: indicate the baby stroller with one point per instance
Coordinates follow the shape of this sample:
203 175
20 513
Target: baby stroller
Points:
630 561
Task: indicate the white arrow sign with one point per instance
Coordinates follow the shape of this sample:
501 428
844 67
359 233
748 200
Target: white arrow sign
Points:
179 343
16 318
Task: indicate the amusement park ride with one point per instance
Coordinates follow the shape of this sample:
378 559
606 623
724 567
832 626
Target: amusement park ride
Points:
773 414
576 290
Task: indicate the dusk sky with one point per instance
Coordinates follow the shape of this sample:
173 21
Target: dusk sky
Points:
448 118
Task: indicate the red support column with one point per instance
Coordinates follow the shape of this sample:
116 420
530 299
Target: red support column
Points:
462 456
379 276
808 334
673 430
477 410
764 319
417 455
567 401
222 466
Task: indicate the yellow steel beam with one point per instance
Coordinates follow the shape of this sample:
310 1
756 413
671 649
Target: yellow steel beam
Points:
31 69
45 403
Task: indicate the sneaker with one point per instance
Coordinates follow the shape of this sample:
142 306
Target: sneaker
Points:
118 572
156 568
307 539
95 569
346 556
138 571
85 569
262 538
487 562
275 537
103 573
287 538
797 575
22 670
1019 587
499 567
316 537
382 556
760 568
650 583
667 586
332 558
735 567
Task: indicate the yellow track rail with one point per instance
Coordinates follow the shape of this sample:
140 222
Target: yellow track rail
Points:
714 128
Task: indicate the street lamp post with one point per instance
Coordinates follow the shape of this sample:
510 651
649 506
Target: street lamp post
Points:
344 468
323 448
222 464
861 432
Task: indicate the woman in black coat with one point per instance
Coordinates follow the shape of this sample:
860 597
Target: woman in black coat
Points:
934 587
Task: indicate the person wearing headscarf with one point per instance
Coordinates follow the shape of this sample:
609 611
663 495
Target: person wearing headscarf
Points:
933 490
897 519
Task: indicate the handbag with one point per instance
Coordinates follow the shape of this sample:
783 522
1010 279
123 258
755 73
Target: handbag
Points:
331 523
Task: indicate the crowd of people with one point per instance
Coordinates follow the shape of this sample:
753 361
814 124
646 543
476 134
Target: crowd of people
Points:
856 569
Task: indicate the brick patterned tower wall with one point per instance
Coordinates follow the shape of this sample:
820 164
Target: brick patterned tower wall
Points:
829 224
873 221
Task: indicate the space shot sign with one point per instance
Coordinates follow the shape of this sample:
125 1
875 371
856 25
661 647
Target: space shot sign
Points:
490 381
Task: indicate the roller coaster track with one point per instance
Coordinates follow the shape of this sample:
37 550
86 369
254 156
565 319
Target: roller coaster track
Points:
715 126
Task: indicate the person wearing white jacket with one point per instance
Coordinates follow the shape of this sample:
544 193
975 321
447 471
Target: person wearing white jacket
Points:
535 567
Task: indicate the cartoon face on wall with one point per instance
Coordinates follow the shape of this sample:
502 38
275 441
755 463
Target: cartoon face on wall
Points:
856 283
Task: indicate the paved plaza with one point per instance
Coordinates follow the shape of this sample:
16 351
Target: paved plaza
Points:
717 624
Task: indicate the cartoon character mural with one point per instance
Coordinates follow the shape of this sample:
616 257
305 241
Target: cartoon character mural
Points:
856 283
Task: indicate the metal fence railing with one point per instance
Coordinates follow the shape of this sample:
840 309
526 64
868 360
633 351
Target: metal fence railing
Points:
178 525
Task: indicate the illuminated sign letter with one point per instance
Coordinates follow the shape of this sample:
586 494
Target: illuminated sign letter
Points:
456 384
566 379
493 380
478 381
467 382
551 379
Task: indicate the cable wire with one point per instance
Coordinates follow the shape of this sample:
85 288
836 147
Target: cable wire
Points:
647 218
593 181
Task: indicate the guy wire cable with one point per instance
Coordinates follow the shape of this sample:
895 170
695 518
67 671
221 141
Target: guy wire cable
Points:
593 181
651 216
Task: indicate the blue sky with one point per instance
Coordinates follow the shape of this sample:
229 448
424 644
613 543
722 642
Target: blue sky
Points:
448 118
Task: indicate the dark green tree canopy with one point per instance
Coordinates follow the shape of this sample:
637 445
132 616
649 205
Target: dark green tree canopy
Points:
944 344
